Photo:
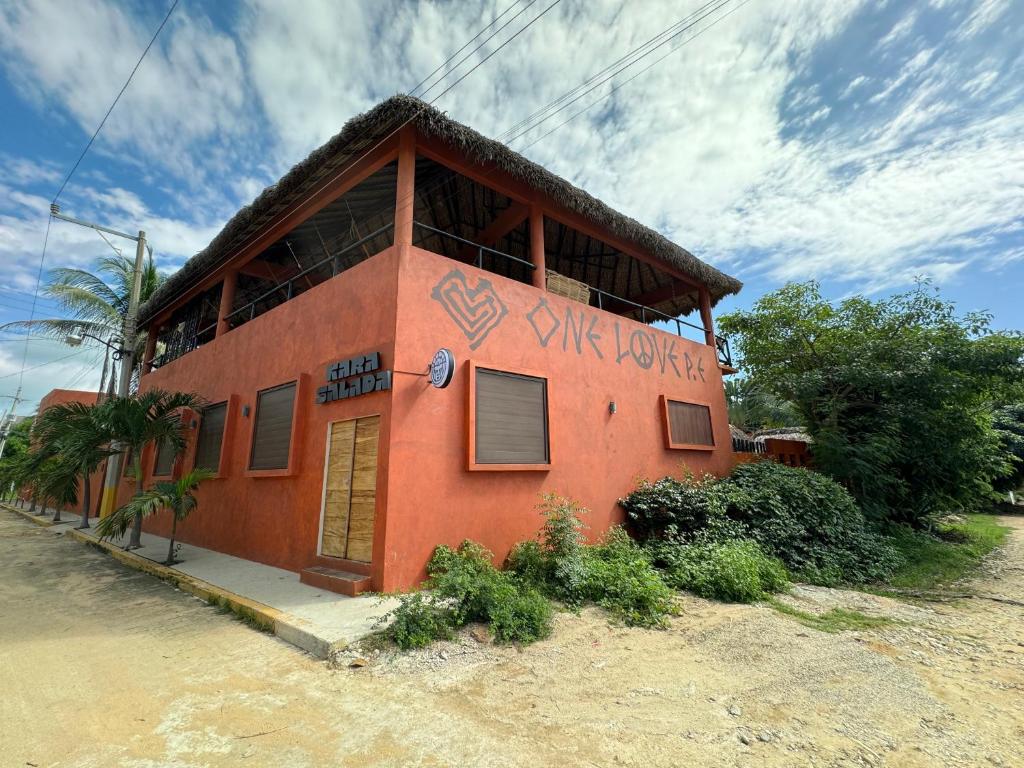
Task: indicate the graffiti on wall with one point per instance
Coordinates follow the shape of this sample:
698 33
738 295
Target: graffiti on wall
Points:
477 310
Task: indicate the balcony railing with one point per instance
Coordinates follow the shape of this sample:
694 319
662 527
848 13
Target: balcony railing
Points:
247 312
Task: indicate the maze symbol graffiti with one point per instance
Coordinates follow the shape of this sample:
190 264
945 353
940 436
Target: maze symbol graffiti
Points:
476 310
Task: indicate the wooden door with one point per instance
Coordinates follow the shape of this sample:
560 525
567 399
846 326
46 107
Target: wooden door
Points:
350 489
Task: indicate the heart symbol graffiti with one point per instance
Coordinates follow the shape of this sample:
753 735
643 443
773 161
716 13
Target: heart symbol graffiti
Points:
477 311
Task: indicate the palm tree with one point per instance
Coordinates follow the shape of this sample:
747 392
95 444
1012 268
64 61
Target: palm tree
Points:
58 482
135 422
81 433
176 496
96 303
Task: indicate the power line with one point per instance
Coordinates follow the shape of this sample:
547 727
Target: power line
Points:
632 77
116 99
676 29
444 63
35 297
341 172
41 365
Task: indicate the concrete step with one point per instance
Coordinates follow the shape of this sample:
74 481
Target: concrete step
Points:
342 582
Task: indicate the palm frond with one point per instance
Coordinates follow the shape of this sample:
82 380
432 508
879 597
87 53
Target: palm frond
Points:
86 305
68 277
55 328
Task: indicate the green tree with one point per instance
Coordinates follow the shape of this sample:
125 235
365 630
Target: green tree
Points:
15 450
152 417
752 408
1009 423
82 434
896 393
95 302
177 496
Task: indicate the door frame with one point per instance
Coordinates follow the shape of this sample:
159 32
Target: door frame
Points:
323 488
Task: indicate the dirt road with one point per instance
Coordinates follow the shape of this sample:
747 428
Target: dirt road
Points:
102 666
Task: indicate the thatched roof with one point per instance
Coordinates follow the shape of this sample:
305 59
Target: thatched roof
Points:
360 134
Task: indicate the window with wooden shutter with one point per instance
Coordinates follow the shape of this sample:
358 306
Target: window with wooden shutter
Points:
689 425
211 437
272 436
163 464
511 419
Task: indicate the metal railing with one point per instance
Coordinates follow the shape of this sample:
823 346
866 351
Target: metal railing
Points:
480 249
288 286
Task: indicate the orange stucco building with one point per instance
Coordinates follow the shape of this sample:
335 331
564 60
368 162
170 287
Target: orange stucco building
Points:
413 336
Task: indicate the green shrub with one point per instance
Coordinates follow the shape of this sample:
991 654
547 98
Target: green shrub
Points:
622 579
736 571
467 583
418 621
810 522
668 508
528 563
518 614
805 519
616 574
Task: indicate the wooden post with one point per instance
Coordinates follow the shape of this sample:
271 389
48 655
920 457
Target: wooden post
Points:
406 187
147 360
537 247
227 302
705 317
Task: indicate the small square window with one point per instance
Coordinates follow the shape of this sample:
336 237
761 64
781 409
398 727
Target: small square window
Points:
511 419
688 425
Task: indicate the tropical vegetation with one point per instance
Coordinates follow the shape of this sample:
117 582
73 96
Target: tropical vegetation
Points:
898 394
176 496
94 302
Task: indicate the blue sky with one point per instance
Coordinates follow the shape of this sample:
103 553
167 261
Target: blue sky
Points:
862 144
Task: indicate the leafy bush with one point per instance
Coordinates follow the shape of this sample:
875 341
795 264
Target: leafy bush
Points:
616 574
418 621
737 571
668 507
622 579
474 590
810 522
803 518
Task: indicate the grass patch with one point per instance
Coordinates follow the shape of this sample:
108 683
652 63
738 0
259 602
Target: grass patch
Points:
833 621
935 561
245 615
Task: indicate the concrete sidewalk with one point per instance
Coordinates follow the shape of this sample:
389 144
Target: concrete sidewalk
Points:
315 620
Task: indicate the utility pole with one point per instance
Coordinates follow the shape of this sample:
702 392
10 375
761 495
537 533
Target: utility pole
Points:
8 422
109 497
127 367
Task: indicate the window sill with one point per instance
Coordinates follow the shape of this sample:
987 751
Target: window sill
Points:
689 447
286 472
474 467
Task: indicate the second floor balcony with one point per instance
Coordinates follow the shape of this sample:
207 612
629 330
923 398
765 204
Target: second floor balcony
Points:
498 212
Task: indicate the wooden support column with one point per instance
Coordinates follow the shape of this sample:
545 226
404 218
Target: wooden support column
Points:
705 317
406 187
147 359
227 302
537 247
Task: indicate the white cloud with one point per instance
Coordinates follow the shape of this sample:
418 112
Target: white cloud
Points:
736 145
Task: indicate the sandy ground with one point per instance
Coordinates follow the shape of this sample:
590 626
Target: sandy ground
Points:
102 666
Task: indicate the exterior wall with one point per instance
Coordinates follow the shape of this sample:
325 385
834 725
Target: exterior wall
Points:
274 517
426 495
791 452
589 357
61 397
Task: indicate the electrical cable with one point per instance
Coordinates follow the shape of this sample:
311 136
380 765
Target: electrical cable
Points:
334 177
116 99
